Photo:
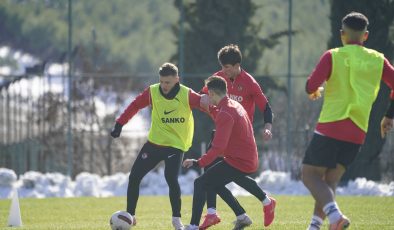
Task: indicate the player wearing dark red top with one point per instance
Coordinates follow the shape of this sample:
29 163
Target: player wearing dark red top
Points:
340 133
234 141
243 88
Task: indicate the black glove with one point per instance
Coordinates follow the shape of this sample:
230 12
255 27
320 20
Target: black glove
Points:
116 130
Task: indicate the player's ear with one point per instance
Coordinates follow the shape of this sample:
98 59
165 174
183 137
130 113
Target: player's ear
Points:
343 36
365 36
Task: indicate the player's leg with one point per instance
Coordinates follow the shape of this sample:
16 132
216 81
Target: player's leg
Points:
250 185
332 177
211 197
147 159
320 156
327 152
213 179
269 203
211 218
348 152
173 160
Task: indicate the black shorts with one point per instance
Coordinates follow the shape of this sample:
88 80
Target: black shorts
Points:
328 152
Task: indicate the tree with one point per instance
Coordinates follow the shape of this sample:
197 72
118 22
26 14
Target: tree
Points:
212 24
380 15
208 26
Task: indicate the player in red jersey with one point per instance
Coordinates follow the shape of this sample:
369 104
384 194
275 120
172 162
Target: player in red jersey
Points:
234 140
343 123
243 88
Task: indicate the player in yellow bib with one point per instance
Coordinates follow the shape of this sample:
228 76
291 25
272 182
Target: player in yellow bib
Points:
170 135
352 74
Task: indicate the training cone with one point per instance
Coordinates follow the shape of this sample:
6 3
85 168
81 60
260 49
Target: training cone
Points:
15 219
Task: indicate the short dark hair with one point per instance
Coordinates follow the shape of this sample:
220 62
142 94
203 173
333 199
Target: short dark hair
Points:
216 84
355 21
168 69
230 54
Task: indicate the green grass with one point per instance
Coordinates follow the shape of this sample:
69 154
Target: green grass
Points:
153 212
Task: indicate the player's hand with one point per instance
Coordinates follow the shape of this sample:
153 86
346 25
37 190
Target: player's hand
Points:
266 132
267 135
116 130
189 163
385 126
316 95
204 102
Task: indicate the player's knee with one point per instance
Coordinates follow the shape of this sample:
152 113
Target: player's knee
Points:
306 178
172 182
134 179
198 182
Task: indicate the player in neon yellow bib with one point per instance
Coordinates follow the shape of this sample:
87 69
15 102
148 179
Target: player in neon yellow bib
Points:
353 74
170 135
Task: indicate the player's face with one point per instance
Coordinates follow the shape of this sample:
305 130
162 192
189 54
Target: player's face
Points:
211 96
231 71
168 82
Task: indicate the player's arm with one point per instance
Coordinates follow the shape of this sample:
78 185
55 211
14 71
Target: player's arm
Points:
387 122
140 102
198 101
319 75
268 120
201 102
264 106
224 125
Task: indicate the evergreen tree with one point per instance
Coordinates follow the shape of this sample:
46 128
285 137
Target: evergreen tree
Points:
381 16
208 26
212 24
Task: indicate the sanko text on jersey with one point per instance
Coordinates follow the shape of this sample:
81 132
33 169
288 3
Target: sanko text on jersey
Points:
173 120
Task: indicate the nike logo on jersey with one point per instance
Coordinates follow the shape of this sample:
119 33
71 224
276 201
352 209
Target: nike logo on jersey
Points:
168 112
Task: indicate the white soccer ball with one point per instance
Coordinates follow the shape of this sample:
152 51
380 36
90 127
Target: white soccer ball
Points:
121 220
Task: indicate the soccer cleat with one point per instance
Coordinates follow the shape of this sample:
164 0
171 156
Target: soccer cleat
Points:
134 221
269 212
341 224
176 222
240 224
190 227
209 220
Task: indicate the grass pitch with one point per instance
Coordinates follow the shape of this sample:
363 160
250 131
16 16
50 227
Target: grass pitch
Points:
154 212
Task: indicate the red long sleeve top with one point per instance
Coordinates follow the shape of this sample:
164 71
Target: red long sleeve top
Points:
344 130
234 138
144 99
245 90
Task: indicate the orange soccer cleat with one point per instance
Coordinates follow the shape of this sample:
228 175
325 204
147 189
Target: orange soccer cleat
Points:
209 220
341 224
269 212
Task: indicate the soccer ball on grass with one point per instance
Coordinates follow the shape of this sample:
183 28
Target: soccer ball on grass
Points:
121 220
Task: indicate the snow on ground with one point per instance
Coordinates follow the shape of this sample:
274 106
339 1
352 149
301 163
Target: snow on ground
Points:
38 185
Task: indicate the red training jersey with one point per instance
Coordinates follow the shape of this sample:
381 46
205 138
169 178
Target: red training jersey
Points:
245 90
344 130
144 99
234 138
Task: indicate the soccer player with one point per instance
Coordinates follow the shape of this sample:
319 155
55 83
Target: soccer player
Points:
352 74
234 141
170 135
243 88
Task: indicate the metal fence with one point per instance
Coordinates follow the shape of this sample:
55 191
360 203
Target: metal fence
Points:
33 124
